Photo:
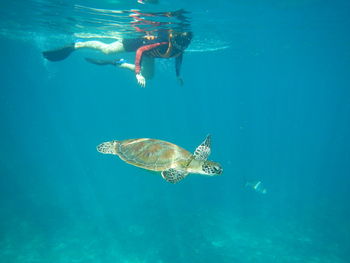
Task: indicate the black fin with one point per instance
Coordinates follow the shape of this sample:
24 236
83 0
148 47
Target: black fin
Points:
59 54
101 62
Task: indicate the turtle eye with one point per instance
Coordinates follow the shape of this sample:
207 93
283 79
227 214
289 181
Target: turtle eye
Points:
218 169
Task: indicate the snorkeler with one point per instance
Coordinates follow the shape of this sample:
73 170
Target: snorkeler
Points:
160 40
156 43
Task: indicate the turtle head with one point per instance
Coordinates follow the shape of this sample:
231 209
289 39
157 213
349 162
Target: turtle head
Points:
108 147
211 168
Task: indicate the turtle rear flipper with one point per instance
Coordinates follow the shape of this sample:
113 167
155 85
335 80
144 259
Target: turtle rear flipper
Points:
174 176
108 147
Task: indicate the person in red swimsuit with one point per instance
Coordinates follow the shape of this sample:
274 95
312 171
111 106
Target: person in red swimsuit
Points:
160 40
166 44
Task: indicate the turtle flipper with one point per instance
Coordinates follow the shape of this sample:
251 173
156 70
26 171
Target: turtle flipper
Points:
173 176
203 151
108 147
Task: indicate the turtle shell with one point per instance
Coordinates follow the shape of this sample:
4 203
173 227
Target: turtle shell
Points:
151 154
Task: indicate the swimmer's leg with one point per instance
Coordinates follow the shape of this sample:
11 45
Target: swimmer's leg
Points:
129 66
62 53
147 67
114 47
115 62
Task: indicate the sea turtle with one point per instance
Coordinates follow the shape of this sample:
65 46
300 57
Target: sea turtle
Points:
174 162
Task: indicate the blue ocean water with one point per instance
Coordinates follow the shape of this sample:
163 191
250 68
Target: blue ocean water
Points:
269 80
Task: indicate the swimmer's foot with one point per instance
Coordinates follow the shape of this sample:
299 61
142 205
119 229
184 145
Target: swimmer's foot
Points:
59 54
119 62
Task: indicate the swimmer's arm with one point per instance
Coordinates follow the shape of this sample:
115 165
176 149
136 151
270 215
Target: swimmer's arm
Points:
139 53
178 62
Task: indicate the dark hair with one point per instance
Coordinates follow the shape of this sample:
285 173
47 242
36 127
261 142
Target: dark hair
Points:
182 40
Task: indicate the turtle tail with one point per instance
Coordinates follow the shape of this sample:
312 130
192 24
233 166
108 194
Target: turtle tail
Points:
108 147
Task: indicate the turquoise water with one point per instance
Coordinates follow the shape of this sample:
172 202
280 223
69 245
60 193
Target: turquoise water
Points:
269 81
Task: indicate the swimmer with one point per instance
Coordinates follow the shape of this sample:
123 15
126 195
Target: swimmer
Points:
160 43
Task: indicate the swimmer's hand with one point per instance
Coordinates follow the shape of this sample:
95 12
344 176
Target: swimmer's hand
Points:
180 81
141 80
